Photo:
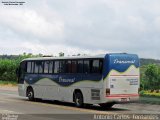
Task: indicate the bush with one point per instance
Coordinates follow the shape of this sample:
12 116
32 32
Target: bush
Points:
149 93
142 92
7 69
150 77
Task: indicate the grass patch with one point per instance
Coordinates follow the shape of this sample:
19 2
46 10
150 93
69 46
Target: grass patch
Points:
150 94
150 97
8 83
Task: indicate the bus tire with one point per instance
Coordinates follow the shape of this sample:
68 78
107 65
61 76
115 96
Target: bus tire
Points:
78 99
106 105
30 94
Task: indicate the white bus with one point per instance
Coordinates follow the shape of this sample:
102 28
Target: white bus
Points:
104 79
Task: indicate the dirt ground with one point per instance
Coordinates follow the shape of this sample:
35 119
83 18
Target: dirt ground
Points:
8 87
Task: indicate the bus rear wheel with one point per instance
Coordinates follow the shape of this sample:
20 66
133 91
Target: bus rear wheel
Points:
78 99
30 94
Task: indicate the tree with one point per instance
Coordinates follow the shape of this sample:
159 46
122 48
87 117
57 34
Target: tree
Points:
78 54
152 73
61 54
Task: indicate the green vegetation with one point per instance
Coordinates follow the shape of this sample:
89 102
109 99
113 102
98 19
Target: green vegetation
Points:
150 77
13 83
8 66
145 61
7 69
150 83
150 93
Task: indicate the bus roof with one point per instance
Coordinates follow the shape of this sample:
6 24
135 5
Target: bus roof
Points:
69 57
72 57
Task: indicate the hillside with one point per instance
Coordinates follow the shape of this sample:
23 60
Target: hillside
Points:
9 56
144 61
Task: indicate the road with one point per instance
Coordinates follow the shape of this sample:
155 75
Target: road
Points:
11 103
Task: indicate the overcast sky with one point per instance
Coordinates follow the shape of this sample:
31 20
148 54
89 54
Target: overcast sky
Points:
81 26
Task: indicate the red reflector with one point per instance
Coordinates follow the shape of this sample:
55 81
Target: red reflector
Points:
107 91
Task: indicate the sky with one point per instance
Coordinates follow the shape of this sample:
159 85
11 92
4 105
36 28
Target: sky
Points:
81 26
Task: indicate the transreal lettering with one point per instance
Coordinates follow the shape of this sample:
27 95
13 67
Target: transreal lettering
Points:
66 80
116 61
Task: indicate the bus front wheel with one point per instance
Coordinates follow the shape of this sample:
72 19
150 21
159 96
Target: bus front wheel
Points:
30 94
78 99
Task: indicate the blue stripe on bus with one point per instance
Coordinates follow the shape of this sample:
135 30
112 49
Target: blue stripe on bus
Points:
63 80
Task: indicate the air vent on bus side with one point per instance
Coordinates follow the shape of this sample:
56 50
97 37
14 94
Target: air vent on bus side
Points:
95 94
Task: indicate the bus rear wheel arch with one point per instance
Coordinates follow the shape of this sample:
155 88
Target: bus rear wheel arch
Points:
30 94
78 98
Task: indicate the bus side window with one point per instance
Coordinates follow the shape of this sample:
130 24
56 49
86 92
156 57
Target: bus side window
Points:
86 66
32 69
95 66
100 66
29 66
74 66
56 67
36 67
46 66
62 67
80 66
41 66
50 67
68 66
21 72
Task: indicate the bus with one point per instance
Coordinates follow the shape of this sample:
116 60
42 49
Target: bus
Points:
103 79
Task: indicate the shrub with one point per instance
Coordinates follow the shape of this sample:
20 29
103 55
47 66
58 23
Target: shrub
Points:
149 93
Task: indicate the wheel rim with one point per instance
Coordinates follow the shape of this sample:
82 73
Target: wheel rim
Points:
30 95
78 100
